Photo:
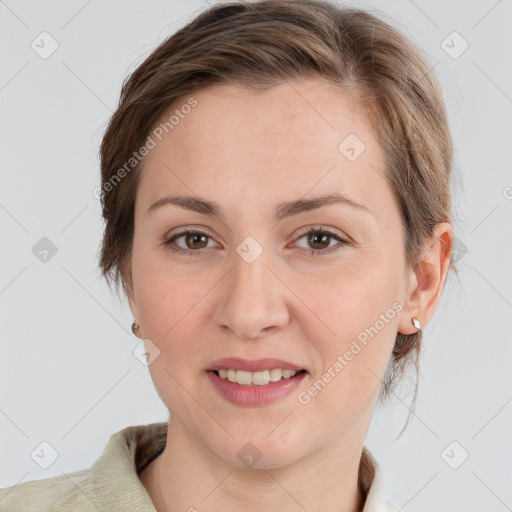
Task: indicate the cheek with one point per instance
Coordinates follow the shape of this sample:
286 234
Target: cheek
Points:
349 297
171 307
160 292
354 330
170 322
353 366
170 313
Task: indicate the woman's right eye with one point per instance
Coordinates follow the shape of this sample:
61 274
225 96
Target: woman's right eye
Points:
191 236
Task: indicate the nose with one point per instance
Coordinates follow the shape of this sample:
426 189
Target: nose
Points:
253 299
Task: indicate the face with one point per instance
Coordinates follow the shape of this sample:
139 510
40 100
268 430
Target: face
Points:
255 285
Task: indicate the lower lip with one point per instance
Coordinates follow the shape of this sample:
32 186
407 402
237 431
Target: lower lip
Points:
255 395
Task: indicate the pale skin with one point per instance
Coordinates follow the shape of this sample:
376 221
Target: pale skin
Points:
248 153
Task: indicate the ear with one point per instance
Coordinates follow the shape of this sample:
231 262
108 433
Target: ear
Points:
427 279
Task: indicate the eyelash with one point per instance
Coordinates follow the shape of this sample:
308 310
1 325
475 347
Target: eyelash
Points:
313 252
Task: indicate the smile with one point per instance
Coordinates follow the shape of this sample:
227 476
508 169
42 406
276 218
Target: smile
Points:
261 378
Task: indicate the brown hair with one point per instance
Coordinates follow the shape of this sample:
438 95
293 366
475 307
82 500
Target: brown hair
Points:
264 43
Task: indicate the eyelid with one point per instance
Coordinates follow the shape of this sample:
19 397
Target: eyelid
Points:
320 227
189 229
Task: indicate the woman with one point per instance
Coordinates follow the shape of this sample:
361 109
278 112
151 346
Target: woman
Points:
268 134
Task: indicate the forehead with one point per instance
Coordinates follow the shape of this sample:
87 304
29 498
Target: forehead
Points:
288 119
296 136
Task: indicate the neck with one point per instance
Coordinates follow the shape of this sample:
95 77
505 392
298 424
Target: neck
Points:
187 476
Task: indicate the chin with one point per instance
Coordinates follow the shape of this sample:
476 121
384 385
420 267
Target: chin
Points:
258 451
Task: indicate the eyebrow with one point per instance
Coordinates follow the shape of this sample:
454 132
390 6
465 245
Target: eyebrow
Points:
283 210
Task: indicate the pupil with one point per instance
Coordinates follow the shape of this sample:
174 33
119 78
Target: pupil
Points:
195 236
322 236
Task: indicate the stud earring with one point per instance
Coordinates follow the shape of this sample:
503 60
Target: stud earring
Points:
416 323
135 326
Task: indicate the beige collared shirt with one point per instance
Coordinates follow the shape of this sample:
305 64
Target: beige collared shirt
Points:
112 483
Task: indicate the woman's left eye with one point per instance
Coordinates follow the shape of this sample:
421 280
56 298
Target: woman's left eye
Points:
321 236
317 236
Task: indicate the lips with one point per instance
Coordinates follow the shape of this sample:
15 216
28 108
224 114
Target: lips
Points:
255 395
257 365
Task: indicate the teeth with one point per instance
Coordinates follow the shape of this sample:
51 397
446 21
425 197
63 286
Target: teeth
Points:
262 378
244 377
276 374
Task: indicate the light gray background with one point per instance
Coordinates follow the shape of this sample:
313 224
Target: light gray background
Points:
67 372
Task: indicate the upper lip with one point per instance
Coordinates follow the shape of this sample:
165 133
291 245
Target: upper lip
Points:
256 365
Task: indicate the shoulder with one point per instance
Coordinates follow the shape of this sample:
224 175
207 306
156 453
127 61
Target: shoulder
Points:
112 483
63 492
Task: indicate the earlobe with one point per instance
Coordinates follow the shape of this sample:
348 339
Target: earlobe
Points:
427 280
135 326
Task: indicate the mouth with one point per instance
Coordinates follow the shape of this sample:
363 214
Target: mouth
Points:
259 378
253 382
